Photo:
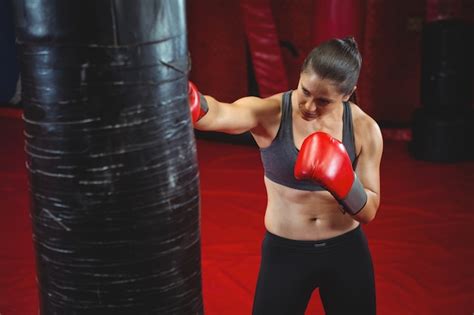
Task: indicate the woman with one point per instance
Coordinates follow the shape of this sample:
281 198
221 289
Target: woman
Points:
319 190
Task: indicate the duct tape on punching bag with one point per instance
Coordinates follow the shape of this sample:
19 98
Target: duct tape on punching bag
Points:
110 155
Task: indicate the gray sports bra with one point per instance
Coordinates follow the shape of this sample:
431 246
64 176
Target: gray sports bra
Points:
280 157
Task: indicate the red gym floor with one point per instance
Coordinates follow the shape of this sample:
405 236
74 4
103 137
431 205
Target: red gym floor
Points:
421 240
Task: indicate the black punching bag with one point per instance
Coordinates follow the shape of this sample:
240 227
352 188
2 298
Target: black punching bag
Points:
443 126
447 65
111 156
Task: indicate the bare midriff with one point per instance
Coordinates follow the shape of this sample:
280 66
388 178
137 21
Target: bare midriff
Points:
304 215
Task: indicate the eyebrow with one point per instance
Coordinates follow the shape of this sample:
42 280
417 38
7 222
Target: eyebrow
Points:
324 99
302 86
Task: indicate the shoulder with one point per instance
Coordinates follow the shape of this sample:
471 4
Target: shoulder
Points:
363 121
260 101
274 102
268 111
260 105
366 130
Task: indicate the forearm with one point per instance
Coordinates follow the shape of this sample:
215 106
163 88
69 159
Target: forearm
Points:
208 121
369 211
232 118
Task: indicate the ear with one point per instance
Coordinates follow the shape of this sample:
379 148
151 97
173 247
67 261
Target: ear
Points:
348 95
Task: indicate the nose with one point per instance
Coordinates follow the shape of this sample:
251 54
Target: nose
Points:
310 106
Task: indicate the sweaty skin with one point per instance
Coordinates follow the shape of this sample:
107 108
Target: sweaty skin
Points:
316 106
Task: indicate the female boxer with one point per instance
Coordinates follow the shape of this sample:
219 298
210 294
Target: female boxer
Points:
321 155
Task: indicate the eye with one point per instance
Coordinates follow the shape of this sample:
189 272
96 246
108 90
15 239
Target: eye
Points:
323 102
305 92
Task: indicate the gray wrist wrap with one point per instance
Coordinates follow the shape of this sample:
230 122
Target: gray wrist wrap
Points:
355 199
204 106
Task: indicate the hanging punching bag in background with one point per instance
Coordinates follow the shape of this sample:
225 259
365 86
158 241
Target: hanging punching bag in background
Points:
447 65
443 126
111 156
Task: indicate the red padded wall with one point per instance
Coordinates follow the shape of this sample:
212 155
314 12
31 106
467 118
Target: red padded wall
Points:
294 27
390 77
338 18
264 46
217 45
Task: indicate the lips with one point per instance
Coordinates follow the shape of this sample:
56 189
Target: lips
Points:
307 115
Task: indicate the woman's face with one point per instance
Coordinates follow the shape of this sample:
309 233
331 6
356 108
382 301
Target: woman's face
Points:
314 95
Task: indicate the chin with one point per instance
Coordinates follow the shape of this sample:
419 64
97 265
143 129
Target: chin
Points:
308 116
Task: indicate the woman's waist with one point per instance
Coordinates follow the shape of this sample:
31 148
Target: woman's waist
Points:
307 221
317 245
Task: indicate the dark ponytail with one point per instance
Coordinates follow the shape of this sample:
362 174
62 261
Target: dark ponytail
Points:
338 60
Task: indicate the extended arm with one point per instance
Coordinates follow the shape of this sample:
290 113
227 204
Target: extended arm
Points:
240 116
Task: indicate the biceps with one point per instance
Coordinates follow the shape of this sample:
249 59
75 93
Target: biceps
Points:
370 181
235 119
368 168
368 172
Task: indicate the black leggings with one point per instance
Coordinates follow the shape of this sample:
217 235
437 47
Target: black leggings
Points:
341 267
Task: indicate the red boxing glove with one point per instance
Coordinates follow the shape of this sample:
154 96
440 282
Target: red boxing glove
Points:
325 160
197 103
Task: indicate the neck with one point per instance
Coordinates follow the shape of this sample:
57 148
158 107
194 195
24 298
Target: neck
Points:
333 111
328 121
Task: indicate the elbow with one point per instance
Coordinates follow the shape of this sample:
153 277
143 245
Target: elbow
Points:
366 215
365 219
369 211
